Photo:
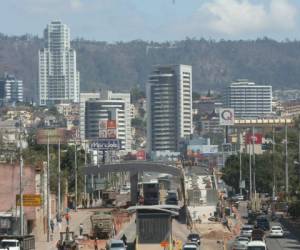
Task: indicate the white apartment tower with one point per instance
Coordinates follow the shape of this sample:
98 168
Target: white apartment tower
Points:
249 100
169 107
58 75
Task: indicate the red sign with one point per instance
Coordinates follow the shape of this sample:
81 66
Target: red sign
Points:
164 244
141 155
256 138
111 124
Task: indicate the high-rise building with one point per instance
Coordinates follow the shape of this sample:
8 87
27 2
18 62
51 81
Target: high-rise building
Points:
58 75
11 89
108 106
248 99
98 111
169 107
83 98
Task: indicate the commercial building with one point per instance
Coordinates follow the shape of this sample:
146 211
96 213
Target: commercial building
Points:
11 89
83 98
111 106
249 100
169 95
58 75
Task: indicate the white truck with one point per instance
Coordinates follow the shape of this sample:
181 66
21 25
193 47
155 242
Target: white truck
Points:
11 242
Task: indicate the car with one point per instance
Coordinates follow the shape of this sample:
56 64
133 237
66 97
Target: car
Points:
194 238
11 244
263 223
237 197
240 243
116 245
276 231
190 246
246 231
256 245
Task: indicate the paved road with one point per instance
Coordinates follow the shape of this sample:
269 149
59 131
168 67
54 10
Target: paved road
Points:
289 242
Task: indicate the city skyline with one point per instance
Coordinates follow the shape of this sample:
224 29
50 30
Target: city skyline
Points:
157 20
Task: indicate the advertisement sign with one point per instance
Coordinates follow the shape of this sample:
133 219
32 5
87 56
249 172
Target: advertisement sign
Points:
226 117
112 133
198 151
111 124
106 144
102 124
141 155
55 135
256 138
30 200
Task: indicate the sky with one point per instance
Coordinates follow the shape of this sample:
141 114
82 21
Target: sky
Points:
155 20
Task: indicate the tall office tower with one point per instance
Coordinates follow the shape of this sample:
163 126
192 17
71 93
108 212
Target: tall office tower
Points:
127 118
83 98
248 99
98 112
169 107
58 75
11 89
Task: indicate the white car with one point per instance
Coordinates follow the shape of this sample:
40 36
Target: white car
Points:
116 245
190 246
240 243
256 245
246 231
276 231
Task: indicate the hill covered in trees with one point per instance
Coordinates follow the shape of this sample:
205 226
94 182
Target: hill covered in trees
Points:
122 65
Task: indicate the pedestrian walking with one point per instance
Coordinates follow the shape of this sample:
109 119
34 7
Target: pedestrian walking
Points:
68 217
124 239
80 229
96 244
52 225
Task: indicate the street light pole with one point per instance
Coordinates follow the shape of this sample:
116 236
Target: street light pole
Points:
75 175
253 163
286 163
273 162
58 185
250 173
21 183
48 189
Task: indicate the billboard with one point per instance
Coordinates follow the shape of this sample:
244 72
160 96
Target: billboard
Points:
198 151
141 155
107 129
29 200
106 144
256 138
55 135
226 117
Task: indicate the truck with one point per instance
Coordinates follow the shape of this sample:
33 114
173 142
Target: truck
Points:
151 192
67 241
102 225
15 242
109 197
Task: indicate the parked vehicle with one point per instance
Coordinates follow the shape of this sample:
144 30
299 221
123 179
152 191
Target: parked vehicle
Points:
276 231
246 231
190 246
116 245
257 245
240 243
258 234
195 238
13 242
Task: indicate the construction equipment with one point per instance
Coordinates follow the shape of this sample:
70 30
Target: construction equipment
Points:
102 225
66 241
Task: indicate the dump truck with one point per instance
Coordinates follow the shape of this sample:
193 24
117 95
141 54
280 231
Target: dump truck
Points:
102 225
109 198
67 241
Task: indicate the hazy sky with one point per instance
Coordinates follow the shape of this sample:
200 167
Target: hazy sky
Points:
158 20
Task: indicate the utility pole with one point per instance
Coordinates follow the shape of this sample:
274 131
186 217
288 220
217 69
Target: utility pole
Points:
250 173
48 189
75 175
286 163
21 182
273 161
85 165
240 155
253 163
58 184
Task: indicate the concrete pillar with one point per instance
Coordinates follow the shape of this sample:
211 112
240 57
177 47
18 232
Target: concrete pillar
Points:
133 187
